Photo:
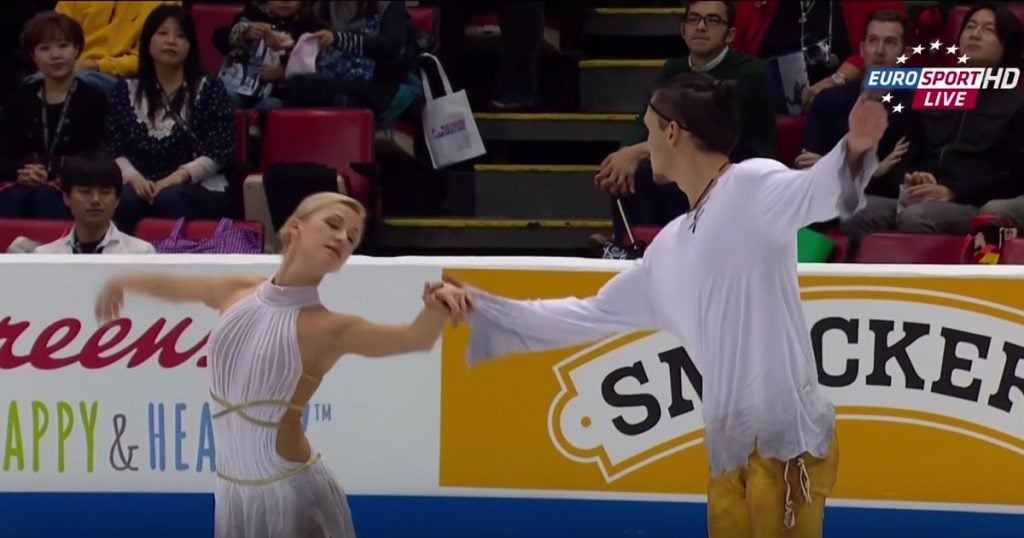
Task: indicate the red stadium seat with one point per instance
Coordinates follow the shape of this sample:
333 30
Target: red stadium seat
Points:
38 230
206 18
1017 8
153 230
341 139
331 137
840 246
1012 253
645 234
424 19
789 133
911 249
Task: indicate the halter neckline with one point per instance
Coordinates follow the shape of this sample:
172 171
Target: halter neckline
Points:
288 296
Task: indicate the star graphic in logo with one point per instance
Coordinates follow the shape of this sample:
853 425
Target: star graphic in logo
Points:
894 100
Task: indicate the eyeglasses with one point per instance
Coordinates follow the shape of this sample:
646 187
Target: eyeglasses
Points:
710 21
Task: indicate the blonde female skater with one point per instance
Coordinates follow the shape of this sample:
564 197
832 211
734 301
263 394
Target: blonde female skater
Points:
273 344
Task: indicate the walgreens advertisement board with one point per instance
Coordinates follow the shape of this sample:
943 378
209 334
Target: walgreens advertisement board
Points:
106 431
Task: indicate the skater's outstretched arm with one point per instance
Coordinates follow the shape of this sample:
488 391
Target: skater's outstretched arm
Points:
355 335
833 187
499 326
213 291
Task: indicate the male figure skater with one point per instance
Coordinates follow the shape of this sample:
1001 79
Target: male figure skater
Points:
723 279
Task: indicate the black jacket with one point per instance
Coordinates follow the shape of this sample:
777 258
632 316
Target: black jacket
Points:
978 154
21 127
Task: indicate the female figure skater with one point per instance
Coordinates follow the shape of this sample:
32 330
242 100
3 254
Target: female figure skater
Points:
272 346
723 279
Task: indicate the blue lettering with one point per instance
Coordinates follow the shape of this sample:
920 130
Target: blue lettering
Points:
157 451
892 78
179 436
207 448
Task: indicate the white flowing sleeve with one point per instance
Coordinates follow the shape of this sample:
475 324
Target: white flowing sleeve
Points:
499 326
788 199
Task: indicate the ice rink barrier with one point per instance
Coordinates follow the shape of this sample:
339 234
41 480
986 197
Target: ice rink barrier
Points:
105 431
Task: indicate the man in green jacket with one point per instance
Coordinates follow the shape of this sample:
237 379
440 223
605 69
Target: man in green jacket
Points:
707 28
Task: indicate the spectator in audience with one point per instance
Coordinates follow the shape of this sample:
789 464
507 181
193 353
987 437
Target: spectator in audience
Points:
171 128
261 41
885 40
522 39
958 160
47 120
359 64
111 31
92 184
827 32
516 85
14 67
707 29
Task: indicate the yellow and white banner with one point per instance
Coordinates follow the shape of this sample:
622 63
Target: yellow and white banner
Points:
926 372
925 367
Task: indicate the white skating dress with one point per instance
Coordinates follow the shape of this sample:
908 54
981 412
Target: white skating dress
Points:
255 367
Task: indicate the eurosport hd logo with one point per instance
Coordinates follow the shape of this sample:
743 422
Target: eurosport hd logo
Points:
938 88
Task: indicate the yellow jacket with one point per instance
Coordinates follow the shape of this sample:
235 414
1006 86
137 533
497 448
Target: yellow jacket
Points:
112 32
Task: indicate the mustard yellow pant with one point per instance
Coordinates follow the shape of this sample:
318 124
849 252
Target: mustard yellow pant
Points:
771 498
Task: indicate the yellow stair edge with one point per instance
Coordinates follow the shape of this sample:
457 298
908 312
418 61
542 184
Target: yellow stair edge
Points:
622 63
495 223
541 116
640 11
537 168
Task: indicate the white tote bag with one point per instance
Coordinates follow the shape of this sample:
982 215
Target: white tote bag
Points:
448 125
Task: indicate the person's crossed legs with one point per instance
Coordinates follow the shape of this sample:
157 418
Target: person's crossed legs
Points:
883 215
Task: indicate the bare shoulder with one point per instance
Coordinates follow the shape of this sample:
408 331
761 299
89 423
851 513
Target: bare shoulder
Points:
229 289
238 281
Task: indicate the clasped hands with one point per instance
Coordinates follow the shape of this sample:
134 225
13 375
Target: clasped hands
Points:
923 187
448 296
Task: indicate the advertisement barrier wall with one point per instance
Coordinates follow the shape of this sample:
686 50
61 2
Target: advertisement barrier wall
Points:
106 431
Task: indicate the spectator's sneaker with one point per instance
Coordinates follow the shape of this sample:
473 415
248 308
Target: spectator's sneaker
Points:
600 246
512 105
614 252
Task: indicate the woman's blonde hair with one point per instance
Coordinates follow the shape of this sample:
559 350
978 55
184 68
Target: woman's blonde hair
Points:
315 202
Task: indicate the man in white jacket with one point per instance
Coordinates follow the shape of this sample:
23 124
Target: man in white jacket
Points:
723 279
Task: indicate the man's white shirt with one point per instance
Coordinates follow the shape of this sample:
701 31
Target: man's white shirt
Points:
114 242
723 280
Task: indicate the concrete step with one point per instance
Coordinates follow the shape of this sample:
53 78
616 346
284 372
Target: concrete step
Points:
544 127
616 86
633 21
519 191
535 235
